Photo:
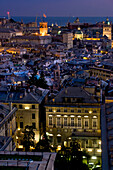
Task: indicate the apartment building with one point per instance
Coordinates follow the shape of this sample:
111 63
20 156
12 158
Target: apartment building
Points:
7 128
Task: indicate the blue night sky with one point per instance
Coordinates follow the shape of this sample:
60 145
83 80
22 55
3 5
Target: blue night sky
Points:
57 7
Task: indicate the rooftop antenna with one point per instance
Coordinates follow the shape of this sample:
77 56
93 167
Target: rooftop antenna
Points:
8 13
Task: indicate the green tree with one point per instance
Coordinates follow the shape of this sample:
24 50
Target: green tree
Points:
43 145
41 82
28 139
70 158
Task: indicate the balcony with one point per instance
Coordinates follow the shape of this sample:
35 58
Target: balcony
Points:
86 133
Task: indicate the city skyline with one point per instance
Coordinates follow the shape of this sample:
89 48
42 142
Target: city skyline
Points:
59 8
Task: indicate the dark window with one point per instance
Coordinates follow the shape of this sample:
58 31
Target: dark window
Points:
51 138
33 106
20 106
72 111
34 125
15 105
58 110
58 139
50 110
86 123
33 115
65 110
94 111
21 124
86 111
79 111
21 117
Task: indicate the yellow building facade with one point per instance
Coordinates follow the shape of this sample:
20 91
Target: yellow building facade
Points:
43 28
72 121
107 29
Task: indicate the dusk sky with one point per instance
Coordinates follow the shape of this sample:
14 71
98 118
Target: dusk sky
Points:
57 7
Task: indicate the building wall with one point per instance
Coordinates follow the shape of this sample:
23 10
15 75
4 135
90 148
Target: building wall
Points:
68 39
104 74
24 115
107 30
80 122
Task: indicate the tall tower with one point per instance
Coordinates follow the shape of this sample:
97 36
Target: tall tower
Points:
43 28
107 29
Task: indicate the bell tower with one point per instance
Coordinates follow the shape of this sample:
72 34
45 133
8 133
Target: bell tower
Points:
43 28
107 29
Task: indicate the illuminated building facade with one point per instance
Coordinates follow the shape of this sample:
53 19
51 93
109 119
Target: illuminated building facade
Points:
107 29
78 34
29 110
101 73
43 28
74 116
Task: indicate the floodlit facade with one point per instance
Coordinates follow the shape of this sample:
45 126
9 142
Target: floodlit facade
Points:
107 29
74 116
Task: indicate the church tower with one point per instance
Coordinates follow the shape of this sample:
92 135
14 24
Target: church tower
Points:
107 29
43 28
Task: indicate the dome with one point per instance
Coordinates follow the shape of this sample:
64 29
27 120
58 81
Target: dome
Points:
79 31
107 21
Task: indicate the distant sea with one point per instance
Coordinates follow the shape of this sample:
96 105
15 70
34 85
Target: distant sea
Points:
62 21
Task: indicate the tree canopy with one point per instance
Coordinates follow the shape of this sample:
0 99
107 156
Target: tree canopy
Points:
28 139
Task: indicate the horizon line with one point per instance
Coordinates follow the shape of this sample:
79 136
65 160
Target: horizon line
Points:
58 16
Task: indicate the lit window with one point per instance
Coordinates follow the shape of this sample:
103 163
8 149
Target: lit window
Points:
27 108
65 121
50 121
72 121
58 121
94 123
79 122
